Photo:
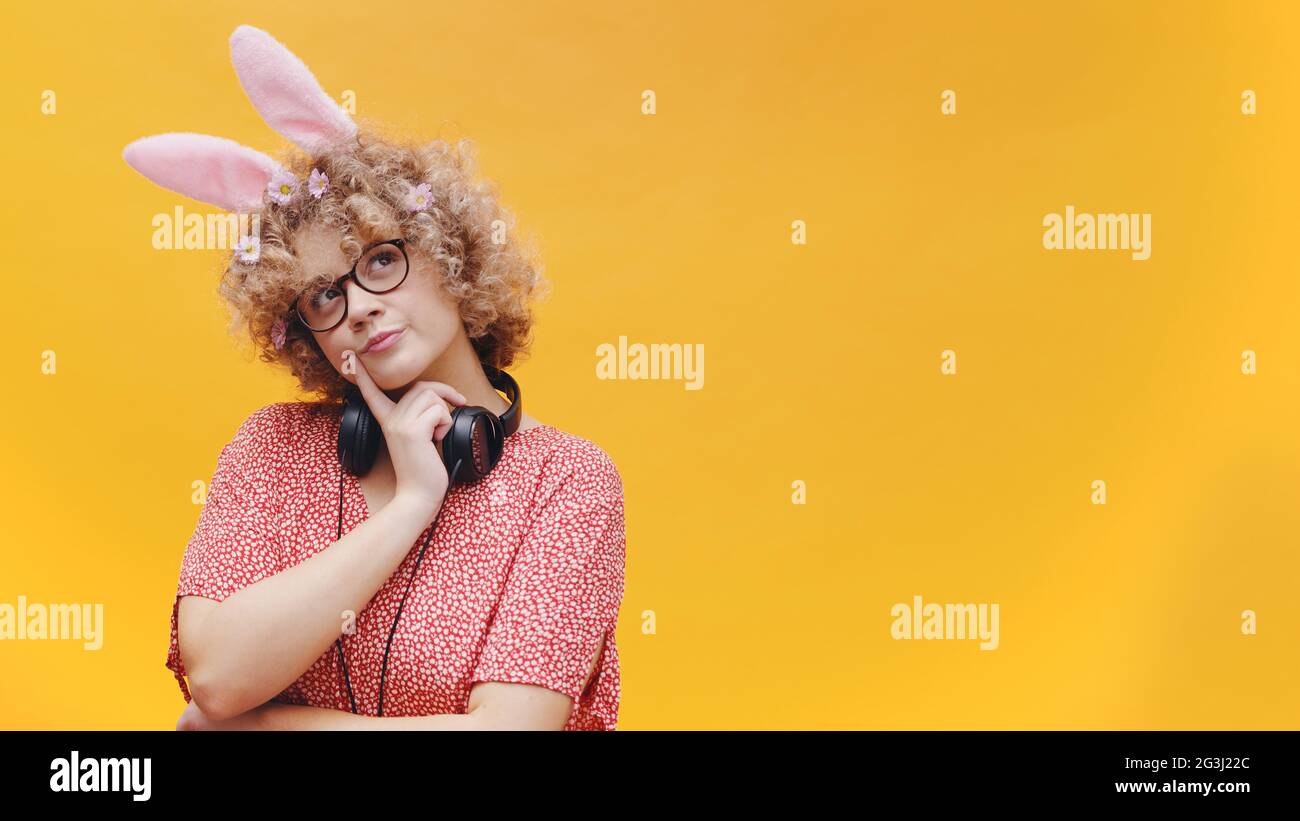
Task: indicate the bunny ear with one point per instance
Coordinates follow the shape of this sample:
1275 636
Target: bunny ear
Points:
214 170
286 93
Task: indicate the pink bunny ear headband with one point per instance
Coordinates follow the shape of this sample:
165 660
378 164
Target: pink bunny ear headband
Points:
236 178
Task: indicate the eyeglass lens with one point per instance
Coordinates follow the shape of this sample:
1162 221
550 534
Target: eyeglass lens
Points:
382 268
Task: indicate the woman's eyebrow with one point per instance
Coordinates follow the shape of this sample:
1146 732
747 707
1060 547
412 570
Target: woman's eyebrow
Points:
311 279
371 244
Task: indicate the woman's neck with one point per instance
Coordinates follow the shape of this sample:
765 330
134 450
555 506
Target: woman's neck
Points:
460 368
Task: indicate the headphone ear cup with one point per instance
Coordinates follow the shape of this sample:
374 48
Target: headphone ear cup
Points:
487 445
451 451
360 435
473 441
497 433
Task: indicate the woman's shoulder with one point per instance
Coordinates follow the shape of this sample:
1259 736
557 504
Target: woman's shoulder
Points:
278 415
567 457
283 424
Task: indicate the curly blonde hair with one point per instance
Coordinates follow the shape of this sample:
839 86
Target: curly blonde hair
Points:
486 267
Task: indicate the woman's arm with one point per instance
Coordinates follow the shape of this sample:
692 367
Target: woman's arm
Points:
241 652
276 716
493 705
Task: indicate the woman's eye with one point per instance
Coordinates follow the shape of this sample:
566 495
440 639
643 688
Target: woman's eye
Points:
381 261
324 296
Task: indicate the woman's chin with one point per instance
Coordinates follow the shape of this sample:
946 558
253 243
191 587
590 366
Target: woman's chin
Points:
392 372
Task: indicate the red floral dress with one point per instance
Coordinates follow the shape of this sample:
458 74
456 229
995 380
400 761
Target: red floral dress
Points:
553 503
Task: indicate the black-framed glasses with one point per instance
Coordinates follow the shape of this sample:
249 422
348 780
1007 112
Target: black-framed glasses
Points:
382 267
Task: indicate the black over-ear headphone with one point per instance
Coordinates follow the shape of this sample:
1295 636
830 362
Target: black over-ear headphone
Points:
470 449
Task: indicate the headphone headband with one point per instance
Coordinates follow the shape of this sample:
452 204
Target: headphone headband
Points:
506 383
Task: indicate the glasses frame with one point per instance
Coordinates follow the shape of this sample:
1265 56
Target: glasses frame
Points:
400 242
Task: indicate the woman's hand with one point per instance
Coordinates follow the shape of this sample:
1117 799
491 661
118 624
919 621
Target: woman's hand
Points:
411 426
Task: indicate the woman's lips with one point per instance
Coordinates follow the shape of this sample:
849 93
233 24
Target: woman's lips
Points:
386 343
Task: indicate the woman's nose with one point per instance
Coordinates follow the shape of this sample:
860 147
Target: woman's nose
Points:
361 303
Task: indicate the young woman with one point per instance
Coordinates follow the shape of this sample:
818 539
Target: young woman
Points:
401 596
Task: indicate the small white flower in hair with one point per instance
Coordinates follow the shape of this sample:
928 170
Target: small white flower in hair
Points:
317 183
282 185
419 197
249 249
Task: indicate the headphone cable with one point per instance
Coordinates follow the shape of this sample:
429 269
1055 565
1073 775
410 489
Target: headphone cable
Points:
383 673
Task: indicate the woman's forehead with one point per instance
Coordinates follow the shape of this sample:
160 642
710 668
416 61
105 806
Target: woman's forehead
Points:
317 248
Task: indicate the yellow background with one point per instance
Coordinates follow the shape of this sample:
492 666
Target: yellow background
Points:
822 361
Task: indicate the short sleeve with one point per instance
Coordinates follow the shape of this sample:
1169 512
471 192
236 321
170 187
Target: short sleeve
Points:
234 543
563 592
